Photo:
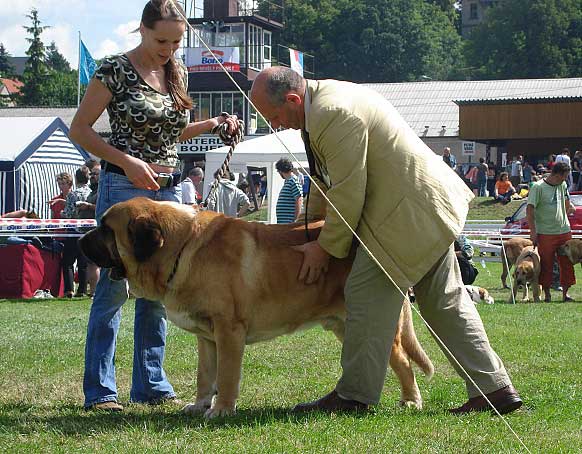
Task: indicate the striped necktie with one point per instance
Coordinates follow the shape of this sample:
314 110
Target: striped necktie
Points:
316 169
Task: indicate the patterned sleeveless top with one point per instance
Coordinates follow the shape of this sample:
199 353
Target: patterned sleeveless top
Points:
144 122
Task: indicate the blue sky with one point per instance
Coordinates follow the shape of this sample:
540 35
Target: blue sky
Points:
105 25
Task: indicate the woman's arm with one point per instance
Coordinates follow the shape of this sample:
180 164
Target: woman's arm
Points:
94 103
200 127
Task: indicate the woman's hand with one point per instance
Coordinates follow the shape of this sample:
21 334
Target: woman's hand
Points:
140 174
231 120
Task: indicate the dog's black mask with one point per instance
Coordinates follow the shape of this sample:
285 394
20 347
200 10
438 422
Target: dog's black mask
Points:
99 246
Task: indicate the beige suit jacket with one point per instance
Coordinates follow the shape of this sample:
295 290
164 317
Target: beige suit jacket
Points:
403 201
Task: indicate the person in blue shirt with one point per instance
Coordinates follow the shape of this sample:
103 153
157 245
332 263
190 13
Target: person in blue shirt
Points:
449 158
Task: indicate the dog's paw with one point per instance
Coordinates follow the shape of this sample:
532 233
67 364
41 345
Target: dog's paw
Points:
412 404
196 409
220 410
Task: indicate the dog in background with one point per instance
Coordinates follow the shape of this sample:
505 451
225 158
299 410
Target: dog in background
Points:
509 254
527 271
573 250
232 283
479 294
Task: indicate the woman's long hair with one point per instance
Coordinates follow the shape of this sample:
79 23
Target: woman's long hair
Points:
157 10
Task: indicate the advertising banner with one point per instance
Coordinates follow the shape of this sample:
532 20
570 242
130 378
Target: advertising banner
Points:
468 148
199 59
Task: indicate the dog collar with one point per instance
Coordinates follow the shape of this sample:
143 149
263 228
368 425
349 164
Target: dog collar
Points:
176 263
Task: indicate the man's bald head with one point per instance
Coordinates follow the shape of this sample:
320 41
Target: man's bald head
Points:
276 82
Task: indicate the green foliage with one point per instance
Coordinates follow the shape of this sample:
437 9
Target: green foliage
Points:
528 39
55 60
6 68
48 78
374 41
35 68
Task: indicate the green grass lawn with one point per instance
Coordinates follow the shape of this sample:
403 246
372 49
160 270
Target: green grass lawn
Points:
41 345
41 368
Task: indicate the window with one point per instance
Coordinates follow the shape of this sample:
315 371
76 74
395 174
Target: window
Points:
266 49
210 105
255 45
473 12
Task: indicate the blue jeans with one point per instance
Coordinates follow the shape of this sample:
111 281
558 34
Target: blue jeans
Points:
481 186
149 382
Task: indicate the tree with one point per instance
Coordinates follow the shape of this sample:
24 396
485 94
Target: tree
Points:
528 39
55 60
374 40
59 89
6 68
35 69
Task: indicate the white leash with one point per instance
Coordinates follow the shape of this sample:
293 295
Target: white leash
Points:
405 297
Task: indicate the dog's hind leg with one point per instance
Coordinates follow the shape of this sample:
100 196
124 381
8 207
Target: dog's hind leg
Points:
409 393
206 377
506 269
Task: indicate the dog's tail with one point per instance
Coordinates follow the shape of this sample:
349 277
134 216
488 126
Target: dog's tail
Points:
411 345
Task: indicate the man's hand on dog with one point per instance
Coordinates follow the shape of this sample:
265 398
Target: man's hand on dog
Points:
315 261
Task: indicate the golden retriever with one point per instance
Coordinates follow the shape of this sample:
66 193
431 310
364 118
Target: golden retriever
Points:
527 271
511 250
573 250
231 283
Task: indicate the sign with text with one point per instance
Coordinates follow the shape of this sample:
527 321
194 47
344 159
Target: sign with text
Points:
199 59
468 148
200 144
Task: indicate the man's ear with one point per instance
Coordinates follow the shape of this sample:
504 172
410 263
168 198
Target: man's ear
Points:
293 98
145 235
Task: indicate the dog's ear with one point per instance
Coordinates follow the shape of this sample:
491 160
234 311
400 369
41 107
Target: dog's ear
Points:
145 235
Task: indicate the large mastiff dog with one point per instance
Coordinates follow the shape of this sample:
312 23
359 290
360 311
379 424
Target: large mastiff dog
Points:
527 271
573 250
231 283
509 254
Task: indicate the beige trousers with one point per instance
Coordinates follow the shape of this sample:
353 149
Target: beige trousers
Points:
373 308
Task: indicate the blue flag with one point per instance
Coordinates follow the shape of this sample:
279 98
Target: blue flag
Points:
87 65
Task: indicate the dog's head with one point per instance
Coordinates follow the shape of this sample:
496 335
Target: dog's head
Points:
524 272
573 250
130 234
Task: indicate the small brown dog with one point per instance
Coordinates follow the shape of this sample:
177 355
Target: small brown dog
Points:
527 271
511 250
573 250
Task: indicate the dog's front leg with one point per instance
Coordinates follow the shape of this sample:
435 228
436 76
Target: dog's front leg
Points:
230 344
526 292
206 377
514 290
536 291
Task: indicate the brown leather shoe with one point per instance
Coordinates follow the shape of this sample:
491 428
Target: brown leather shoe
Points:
505 400
110 406
331 403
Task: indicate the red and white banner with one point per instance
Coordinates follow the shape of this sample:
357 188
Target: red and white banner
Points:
199 59
19 224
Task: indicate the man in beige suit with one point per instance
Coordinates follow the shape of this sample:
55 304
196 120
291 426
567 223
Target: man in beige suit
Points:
407 206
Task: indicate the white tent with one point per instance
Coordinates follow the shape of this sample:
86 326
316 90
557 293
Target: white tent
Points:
263 151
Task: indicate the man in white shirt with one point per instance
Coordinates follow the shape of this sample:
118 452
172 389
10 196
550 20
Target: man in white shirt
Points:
189 192
516 172
565 157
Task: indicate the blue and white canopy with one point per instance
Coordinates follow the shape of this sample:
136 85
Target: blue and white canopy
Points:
34 150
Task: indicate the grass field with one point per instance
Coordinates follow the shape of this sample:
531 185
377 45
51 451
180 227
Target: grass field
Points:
41 351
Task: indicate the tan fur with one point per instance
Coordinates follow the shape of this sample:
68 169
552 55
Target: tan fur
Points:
235 284
512 248
573 250
527 271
